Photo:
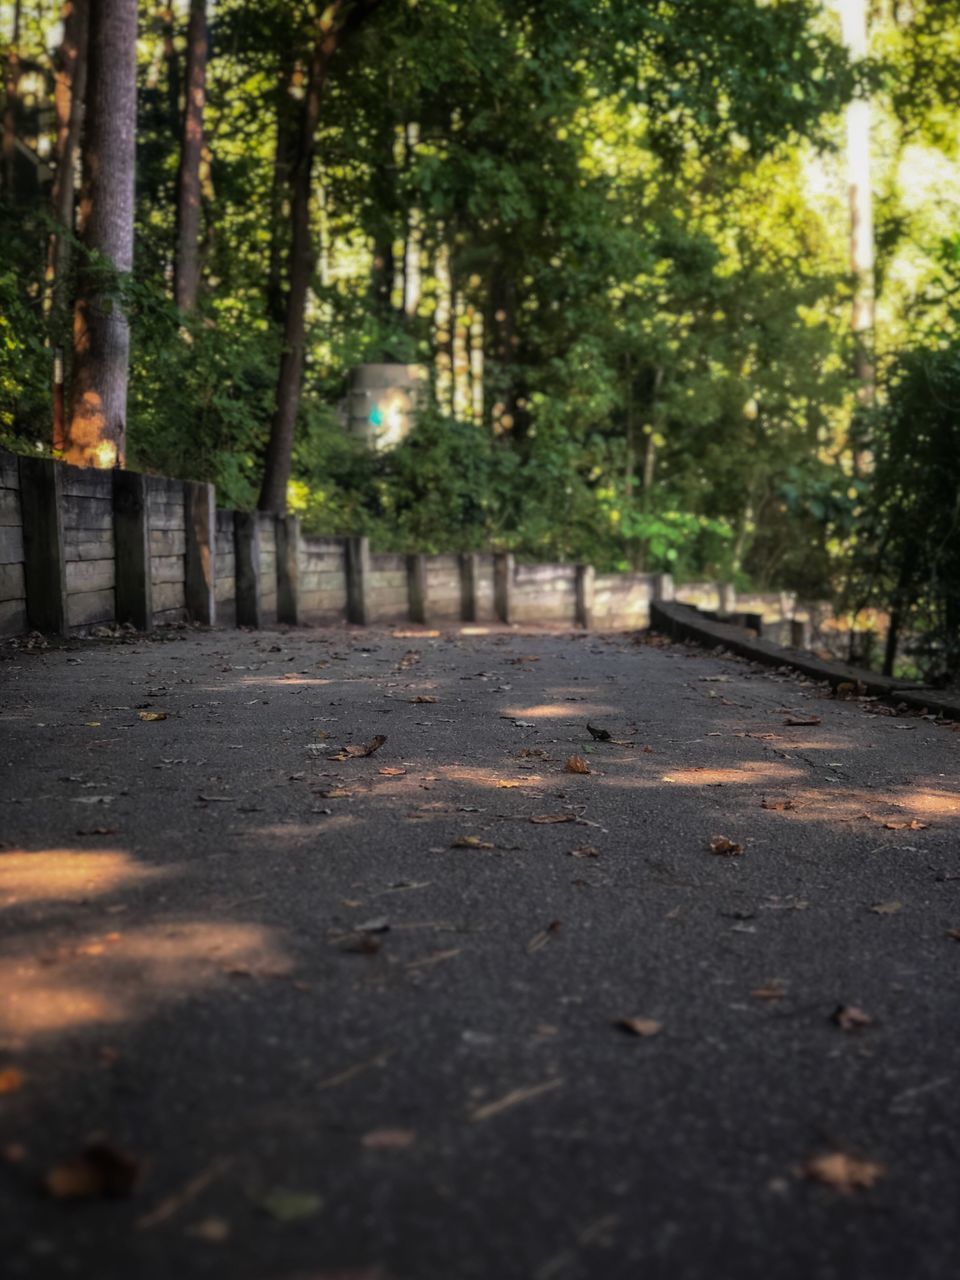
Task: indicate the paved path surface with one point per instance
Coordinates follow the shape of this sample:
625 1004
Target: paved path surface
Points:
355 1019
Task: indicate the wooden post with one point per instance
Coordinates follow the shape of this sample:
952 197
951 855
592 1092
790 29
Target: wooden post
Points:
246 546
727 598
469 574
798 633
503 565
585 585
358 579
131 540
663 588
201 559
288 570
43 561
417 588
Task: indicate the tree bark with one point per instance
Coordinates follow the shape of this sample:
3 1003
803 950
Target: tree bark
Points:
101 331
186 264
68 96
10 110
283 159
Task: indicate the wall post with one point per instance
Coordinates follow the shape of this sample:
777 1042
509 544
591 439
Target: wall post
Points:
357 551
503 567
44 569
663 588
469 574
288 570
585 589
200 580
246 545
131 541
417 588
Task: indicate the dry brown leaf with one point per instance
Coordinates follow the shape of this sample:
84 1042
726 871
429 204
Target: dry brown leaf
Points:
639 1026
362 944
99 1171
886 908
335 793
777 805
842 1172
151 715
772 990
508 784
585 851
545 819
913 825
11 1080
421 698
576 764
471 842
211 1230
543 937
849 1018
388 1139
358 751
391 771
801 723
724 847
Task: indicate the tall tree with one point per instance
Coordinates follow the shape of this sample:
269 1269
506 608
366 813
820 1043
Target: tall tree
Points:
333 23
853 14
186 267
10 106
101 332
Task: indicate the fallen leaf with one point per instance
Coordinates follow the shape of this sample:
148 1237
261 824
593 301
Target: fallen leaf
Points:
290 1206
151 715
391 771
508 784
543 937
364 944
356 751
842 1172
380 924
212 1230
471 842
639 1026
99 831
99 1171
335 793
777 805
388 1139
773 990
576 764
421 698
11 1080
585 851
546 819
800 722
913 825
725 847
886 908
849 1018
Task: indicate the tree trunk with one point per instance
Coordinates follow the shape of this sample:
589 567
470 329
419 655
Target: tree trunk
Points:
101 331
68 96
10 110
273 493
186 263
853 15
283 159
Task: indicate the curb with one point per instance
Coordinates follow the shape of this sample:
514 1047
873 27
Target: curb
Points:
683 622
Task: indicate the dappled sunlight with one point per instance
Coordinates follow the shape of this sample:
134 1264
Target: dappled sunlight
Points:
290 678
67 875
933 803
321 825
751 772
561 711
121 976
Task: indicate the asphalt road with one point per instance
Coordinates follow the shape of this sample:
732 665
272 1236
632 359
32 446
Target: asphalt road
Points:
357 1019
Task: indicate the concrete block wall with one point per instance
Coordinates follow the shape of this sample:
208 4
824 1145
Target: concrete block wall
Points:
79 548
13 590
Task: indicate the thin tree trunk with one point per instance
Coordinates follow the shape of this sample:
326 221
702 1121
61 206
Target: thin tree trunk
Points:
186 263
283 159
101 331
273 493
10 110
68 95
853 15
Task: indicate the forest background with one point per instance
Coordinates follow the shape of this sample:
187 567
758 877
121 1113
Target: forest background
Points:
615 233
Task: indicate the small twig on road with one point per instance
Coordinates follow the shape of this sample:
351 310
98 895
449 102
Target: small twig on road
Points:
342 1077
514 1097
174 1203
